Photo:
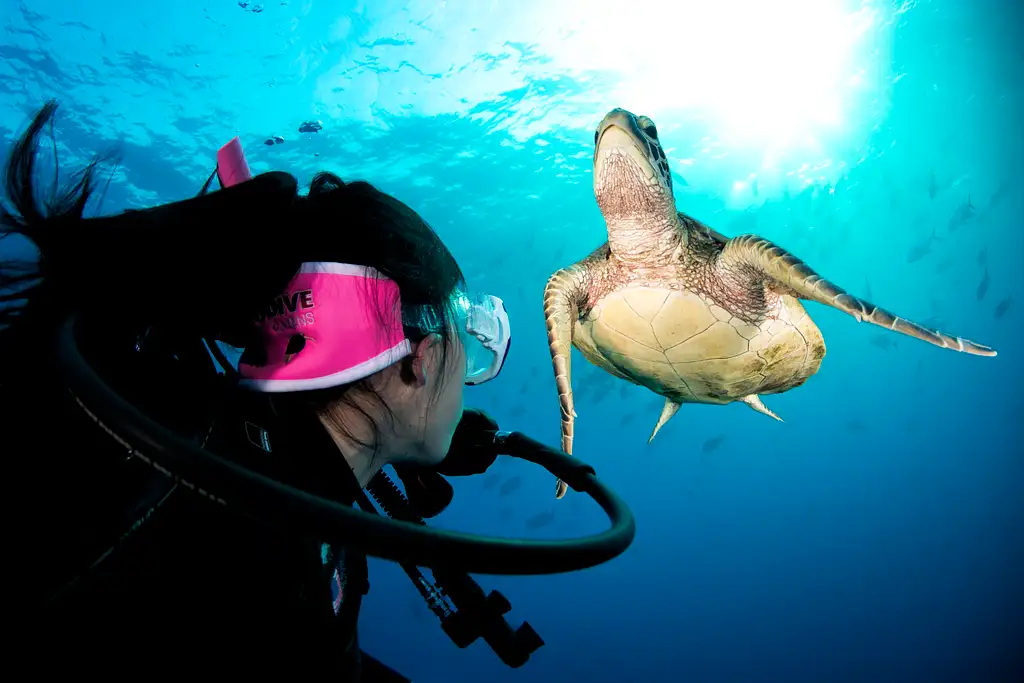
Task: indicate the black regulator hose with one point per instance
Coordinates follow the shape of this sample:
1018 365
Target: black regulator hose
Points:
232 484
477 614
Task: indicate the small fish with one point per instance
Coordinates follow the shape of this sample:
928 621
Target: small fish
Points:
712 444
624 392
999 195
962 215
626 419
491 480
1002 307
540 520
884 342
922 249
856 426
982 287
510 485
518 411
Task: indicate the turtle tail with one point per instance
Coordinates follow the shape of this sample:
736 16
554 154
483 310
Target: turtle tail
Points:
562 296
787 274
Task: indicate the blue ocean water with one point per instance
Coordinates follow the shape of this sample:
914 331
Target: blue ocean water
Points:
876 535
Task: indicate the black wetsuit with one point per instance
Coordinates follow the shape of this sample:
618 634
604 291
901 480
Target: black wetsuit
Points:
196 578
196 569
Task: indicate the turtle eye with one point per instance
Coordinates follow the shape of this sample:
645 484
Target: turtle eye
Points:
650 129
595 137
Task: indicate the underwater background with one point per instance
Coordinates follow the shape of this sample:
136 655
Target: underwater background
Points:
877 534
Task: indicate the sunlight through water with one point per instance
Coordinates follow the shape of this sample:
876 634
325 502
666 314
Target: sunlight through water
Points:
768 72
751 87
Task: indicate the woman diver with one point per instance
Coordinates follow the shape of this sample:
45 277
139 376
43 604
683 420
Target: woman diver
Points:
359 335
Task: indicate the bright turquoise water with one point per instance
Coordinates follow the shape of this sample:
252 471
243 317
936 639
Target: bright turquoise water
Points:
877 534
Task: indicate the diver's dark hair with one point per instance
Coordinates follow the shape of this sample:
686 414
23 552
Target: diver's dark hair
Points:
23 215
337 221
363 226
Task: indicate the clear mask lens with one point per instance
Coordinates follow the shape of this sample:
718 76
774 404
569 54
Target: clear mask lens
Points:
486 335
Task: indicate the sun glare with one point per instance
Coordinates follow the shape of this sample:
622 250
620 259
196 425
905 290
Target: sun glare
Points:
765 73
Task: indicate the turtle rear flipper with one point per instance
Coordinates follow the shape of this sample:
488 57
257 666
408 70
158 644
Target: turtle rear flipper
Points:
755 402
563 294
789 275
668 410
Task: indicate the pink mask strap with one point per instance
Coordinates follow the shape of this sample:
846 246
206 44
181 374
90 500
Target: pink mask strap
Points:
335 324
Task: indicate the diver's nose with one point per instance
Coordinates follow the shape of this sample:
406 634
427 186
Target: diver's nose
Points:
620 118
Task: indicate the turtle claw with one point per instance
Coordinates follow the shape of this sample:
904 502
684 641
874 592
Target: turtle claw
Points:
560 489
755 402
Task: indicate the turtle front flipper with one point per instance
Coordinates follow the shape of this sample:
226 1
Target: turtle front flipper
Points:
563 296
790 275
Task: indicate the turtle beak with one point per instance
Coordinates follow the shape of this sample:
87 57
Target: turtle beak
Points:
626 169
619 130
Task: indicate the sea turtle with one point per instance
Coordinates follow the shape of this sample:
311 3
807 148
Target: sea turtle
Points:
672 305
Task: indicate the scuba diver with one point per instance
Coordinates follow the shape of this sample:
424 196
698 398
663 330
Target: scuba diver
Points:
181 498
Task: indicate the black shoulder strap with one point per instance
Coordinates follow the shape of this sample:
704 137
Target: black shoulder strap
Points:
290 445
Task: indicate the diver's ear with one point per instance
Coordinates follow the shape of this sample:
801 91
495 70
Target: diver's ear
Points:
421 366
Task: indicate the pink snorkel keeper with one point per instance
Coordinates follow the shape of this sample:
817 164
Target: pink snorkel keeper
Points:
232 168
334 324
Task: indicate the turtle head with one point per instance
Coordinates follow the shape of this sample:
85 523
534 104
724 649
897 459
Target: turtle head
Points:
632 181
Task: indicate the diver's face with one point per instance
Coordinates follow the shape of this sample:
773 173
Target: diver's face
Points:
423 398
434 399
